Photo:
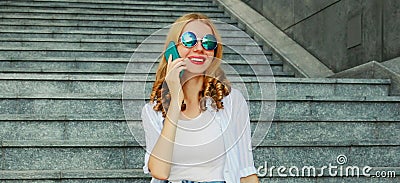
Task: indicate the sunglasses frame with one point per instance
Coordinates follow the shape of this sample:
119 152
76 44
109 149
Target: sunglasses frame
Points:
197 40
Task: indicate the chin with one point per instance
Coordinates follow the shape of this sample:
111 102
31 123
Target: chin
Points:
195 72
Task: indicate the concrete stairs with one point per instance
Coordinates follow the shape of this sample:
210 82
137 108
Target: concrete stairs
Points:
62 70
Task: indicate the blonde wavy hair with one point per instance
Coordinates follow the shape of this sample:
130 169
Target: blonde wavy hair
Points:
215 84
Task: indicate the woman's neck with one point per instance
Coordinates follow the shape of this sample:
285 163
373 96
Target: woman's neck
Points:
191 88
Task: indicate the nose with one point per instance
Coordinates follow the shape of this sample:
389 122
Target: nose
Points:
198 46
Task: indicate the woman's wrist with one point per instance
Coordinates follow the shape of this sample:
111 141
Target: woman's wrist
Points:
176 102
174 110
177 98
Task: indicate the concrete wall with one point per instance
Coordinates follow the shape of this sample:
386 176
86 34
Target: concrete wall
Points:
341 33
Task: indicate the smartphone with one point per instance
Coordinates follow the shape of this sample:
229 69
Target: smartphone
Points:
171 50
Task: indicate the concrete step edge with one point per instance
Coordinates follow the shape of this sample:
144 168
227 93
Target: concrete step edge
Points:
130 20
99 97
97 118
103 49
77 11
100 25
182 7
78 25
110 77
74 174
124 143
86 32
124 2
138 173
78 42
108 71
101 43
116 60
121 77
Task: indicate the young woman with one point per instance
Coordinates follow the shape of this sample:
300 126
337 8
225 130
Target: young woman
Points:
197 127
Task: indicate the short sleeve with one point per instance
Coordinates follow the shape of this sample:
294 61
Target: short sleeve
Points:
152 125
240 115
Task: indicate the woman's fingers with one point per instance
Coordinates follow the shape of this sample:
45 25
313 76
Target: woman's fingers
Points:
171 62
172 78
177 64
169 59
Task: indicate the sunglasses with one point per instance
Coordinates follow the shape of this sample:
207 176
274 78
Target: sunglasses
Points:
189 40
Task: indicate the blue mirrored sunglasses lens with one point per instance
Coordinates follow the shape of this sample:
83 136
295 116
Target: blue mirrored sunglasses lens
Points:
209 42
188 39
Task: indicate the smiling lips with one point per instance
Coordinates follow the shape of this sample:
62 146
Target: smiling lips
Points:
198 60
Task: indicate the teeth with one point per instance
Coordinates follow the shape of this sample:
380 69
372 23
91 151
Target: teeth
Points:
197 59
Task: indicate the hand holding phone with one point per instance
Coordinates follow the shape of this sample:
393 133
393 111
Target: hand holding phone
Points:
171 50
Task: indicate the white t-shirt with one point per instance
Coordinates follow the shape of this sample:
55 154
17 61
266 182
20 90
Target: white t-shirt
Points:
233 123
199 153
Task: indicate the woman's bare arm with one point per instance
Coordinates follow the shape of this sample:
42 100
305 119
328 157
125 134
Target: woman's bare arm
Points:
161 156
249 179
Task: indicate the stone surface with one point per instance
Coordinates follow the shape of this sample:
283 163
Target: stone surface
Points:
275 153
279 130
350 108
105 6
320 27
374 69
63 158
305 9
114 86
32 130
280 43
123 175
331 131
108 52
271 10
61 113
305 33
235 67
372 45
391 26
393 64
274 178
323 156
104 130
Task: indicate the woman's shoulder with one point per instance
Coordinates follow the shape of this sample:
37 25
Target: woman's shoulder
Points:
234 98
234 95
149 115
148 109
149 105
